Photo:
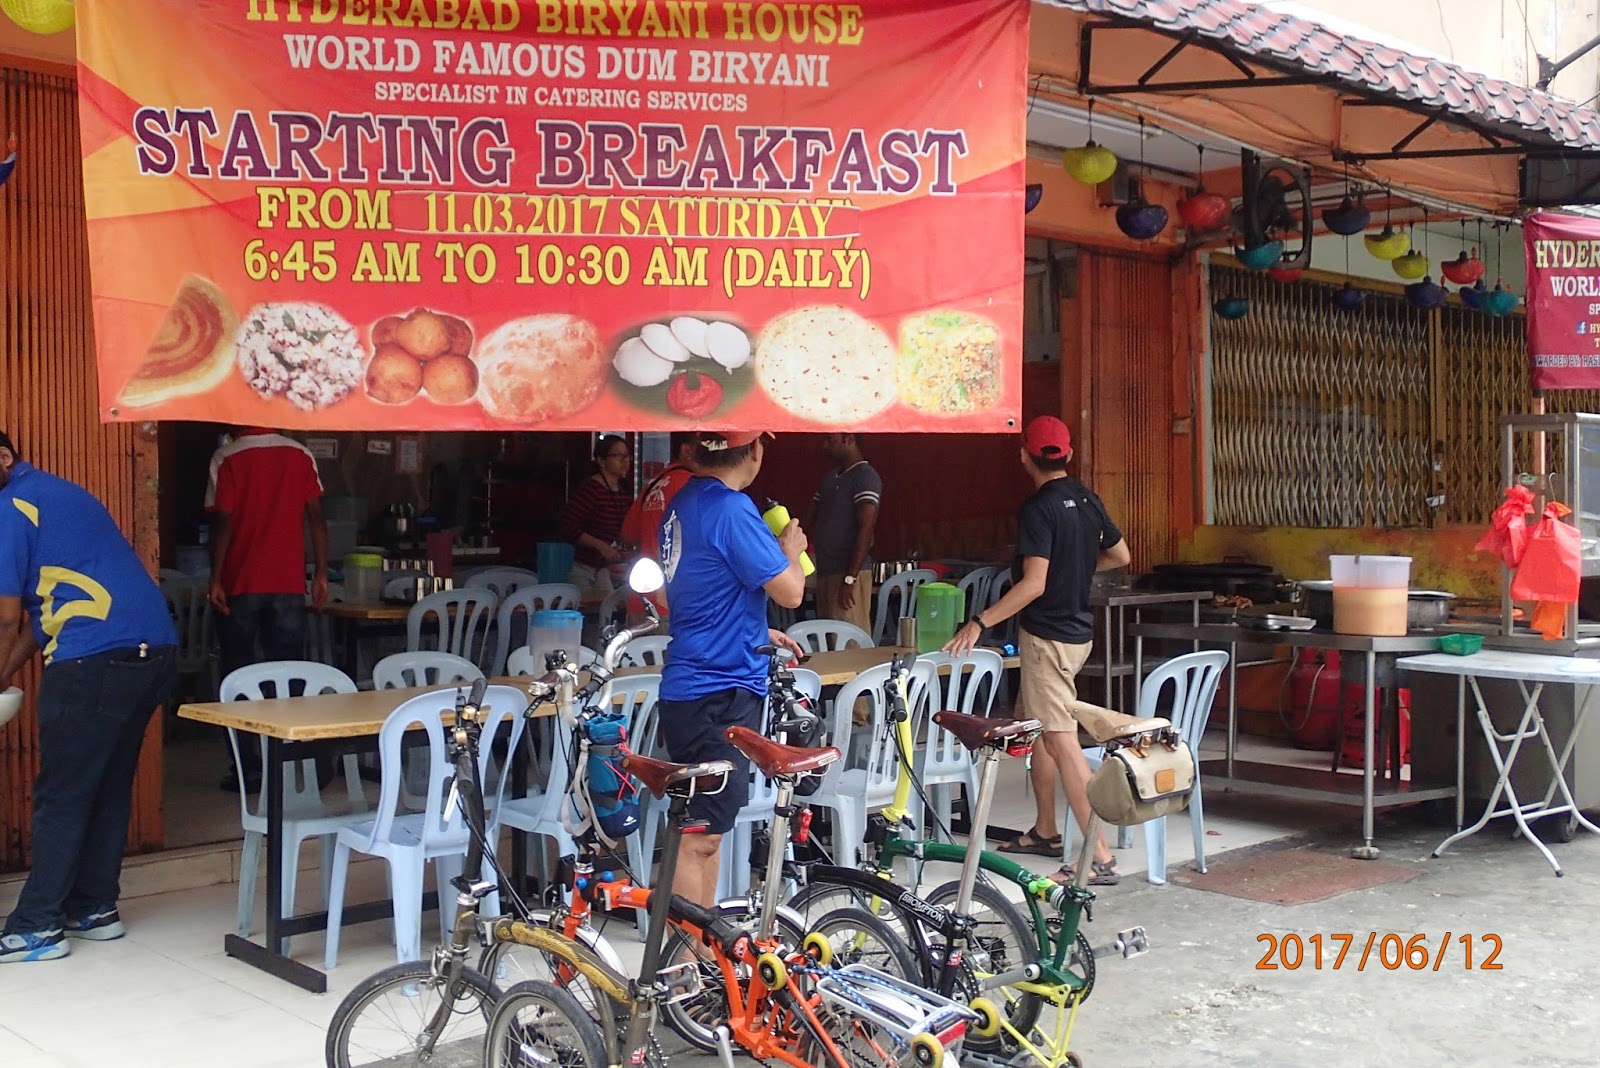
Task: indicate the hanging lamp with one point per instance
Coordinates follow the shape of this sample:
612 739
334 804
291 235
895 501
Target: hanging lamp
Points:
1499 301
1413 265
1348 296
1388 245
1200 210
1463 270
1425 294
1031 195
40 16
1231 308
1091 164
1138 218
1351 216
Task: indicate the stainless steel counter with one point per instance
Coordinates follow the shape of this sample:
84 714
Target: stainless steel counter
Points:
1377 661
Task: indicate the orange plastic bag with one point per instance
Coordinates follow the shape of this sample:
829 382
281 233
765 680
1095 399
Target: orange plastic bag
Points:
1552 565
1507 536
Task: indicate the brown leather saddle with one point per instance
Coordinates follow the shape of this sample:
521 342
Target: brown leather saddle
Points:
981 732
779 761
662 777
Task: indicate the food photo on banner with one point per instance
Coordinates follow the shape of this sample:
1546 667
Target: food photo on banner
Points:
1563 255
347 214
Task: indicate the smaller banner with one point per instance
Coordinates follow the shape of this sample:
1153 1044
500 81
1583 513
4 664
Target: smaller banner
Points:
1563 301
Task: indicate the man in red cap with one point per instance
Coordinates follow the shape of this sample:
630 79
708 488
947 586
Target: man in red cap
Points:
721 564
1063 537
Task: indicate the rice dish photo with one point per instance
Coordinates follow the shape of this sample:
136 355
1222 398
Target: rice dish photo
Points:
305 353
826 364
949 362
540 368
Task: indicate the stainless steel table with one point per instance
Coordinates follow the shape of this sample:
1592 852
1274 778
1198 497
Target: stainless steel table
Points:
1379 656
1536 669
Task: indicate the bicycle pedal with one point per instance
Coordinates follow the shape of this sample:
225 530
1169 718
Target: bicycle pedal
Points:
1128 944
681 982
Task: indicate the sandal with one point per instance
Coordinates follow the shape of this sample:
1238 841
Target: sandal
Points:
1029 841
1099 874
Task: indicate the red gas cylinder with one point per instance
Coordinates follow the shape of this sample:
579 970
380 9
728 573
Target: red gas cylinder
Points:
1352 754
1314 698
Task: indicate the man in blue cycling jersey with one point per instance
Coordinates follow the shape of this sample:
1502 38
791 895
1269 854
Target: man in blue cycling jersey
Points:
721 564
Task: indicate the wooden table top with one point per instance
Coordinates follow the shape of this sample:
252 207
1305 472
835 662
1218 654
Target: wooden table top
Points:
361 715
334 715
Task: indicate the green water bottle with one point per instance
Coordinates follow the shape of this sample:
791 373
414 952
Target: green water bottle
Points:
778 518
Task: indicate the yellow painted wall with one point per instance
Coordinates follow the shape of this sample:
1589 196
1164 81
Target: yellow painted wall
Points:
1442 559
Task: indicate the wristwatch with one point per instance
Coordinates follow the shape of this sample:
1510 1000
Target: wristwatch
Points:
849 580
976 619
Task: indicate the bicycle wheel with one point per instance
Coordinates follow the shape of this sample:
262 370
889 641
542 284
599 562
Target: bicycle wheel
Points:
1002 939
859 1042
539 1025
697 1018
858 937
389 1019
509 963
816 900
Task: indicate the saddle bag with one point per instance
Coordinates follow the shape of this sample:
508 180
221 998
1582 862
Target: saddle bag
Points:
1143 781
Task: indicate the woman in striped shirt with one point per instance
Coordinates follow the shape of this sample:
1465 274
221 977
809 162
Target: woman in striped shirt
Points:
592 521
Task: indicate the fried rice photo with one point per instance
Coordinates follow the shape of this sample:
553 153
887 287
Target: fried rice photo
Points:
305 353
949 362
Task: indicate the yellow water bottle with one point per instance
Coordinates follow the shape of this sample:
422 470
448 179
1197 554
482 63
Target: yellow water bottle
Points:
778 518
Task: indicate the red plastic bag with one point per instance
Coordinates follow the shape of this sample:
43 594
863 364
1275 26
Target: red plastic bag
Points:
1507 537
1552 566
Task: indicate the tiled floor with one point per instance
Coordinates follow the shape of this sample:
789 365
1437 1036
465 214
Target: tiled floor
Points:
166 995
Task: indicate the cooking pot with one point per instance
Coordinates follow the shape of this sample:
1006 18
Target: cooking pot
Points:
1425 609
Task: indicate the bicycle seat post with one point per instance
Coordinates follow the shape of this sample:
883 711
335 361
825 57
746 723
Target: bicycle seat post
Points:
777 846
988 775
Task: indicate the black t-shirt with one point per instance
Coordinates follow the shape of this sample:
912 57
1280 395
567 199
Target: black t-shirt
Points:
1067 525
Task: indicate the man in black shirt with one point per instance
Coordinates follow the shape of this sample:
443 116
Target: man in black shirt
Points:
1063 537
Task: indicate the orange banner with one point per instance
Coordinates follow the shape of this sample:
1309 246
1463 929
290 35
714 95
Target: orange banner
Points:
562 214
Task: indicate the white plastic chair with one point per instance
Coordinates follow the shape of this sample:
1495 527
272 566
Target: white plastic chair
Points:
974 589
853 788
614 608
825 635
400 583
511 621
942 761
406 671
1005 633
1193 678
189 601
901 588
504 581
649 651
406 842
733 876
305 814
462 618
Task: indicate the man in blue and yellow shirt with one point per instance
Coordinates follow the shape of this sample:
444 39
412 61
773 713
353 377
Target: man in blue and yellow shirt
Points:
109 648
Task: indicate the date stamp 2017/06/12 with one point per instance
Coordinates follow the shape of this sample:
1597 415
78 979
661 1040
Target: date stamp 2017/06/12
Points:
1390 952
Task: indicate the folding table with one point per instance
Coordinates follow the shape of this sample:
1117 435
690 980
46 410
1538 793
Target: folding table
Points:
1535 670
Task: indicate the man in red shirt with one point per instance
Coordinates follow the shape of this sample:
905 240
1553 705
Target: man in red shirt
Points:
642 525
263 486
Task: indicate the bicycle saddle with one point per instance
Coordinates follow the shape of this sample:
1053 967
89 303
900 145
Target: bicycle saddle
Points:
1105 725
662 777
978 732
779 761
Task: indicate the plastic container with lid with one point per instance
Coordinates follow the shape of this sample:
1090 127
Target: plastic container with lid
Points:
363 576
554 629
939 610
554 561
1370 595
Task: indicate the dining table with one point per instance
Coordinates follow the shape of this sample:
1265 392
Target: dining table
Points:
297 728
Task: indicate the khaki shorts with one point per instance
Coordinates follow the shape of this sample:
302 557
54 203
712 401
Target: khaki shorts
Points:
829 588
1050 680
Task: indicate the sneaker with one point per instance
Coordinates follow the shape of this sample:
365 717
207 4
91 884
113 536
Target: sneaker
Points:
39 945
102 926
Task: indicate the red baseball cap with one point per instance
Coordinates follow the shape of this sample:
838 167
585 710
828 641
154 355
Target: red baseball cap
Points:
734 439
1047 438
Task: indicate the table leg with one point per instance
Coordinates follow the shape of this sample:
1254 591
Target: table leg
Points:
519 838
1581 704
274 958
1233 702
1368 851
1138 663
1461 751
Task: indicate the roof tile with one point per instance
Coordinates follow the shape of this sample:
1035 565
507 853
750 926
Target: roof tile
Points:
1360 64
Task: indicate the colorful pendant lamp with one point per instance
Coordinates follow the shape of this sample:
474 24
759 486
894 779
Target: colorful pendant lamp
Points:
1031 195
1091 164
1351 216
1231 308
1202 211
1472 296
1424 294
9 164
1388 245
40 16
1138 218
1413 265
1499 301
1463 270
1348 297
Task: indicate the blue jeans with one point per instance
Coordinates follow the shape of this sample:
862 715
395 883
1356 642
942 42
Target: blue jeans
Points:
274 622
92 717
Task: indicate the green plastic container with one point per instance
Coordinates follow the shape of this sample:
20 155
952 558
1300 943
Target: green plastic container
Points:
1461 644
939 608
